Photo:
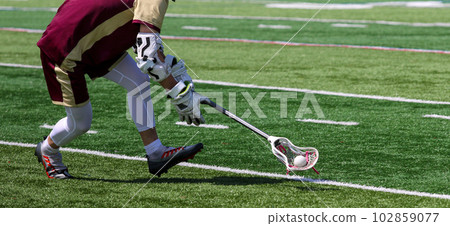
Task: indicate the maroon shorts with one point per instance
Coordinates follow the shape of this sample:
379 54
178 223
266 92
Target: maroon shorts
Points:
68 88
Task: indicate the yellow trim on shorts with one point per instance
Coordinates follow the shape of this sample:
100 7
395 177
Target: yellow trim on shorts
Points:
66 87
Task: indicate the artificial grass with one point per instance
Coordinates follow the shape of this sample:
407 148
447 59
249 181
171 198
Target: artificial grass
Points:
386 149
385 73
394 146
424 15
371 72
314 32
32 3
113 183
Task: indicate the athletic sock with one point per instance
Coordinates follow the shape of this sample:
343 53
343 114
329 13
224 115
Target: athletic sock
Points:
154 148
53 154
46 148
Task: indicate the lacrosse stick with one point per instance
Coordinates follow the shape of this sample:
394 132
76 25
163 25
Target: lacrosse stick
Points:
282 148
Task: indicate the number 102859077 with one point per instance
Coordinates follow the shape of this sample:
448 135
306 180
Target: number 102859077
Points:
404 217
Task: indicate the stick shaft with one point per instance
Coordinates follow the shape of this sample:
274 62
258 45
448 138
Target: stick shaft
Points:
235 118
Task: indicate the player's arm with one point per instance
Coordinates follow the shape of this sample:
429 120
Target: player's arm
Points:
166 70
157 51
149 14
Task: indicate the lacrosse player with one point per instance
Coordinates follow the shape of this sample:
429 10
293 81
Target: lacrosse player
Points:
92 37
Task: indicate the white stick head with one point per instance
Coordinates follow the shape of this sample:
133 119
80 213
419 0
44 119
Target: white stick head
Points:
286 152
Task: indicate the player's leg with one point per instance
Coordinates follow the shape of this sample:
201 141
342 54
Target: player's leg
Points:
70 91
77 122
137 84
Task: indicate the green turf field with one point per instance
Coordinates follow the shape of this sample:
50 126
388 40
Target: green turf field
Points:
393 146
97 187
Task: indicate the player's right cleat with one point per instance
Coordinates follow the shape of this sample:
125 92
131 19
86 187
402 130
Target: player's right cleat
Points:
52 163
172 157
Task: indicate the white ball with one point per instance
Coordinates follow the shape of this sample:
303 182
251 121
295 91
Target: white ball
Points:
300 161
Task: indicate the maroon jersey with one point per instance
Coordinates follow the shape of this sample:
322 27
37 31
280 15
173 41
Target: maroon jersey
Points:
91 36
94 33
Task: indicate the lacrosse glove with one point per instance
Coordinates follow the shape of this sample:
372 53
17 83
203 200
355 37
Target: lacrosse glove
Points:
187 102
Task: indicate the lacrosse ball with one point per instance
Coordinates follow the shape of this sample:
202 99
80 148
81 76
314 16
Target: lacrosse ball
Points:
299 161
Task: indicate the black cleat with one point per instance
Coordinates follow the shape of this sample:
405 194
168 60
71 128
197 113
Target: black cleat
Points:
171 158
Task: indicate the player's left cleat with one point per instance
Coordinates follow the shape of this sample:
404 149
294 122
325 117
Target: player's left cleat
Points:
52 163
172 157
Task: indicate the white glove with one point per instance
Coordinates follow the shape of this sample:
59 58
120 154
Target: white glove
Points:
187 103
147 46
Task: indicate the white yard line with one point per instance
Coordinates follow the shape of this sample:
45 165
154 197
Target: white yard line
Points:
20 66
26 30
274 26
247 172
350 25
11 8
211 126
436 116
321 92
306 5
354 6
47 126
382 22
197 28
329 122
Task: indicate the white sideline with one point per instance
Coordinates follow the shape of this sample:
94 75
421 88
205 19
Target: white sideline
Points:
436 116
329 122
47 126
247 172
251 86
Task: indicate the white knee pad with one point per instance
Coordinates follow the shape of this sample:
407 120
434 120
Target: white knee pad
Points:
137 84
77 122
